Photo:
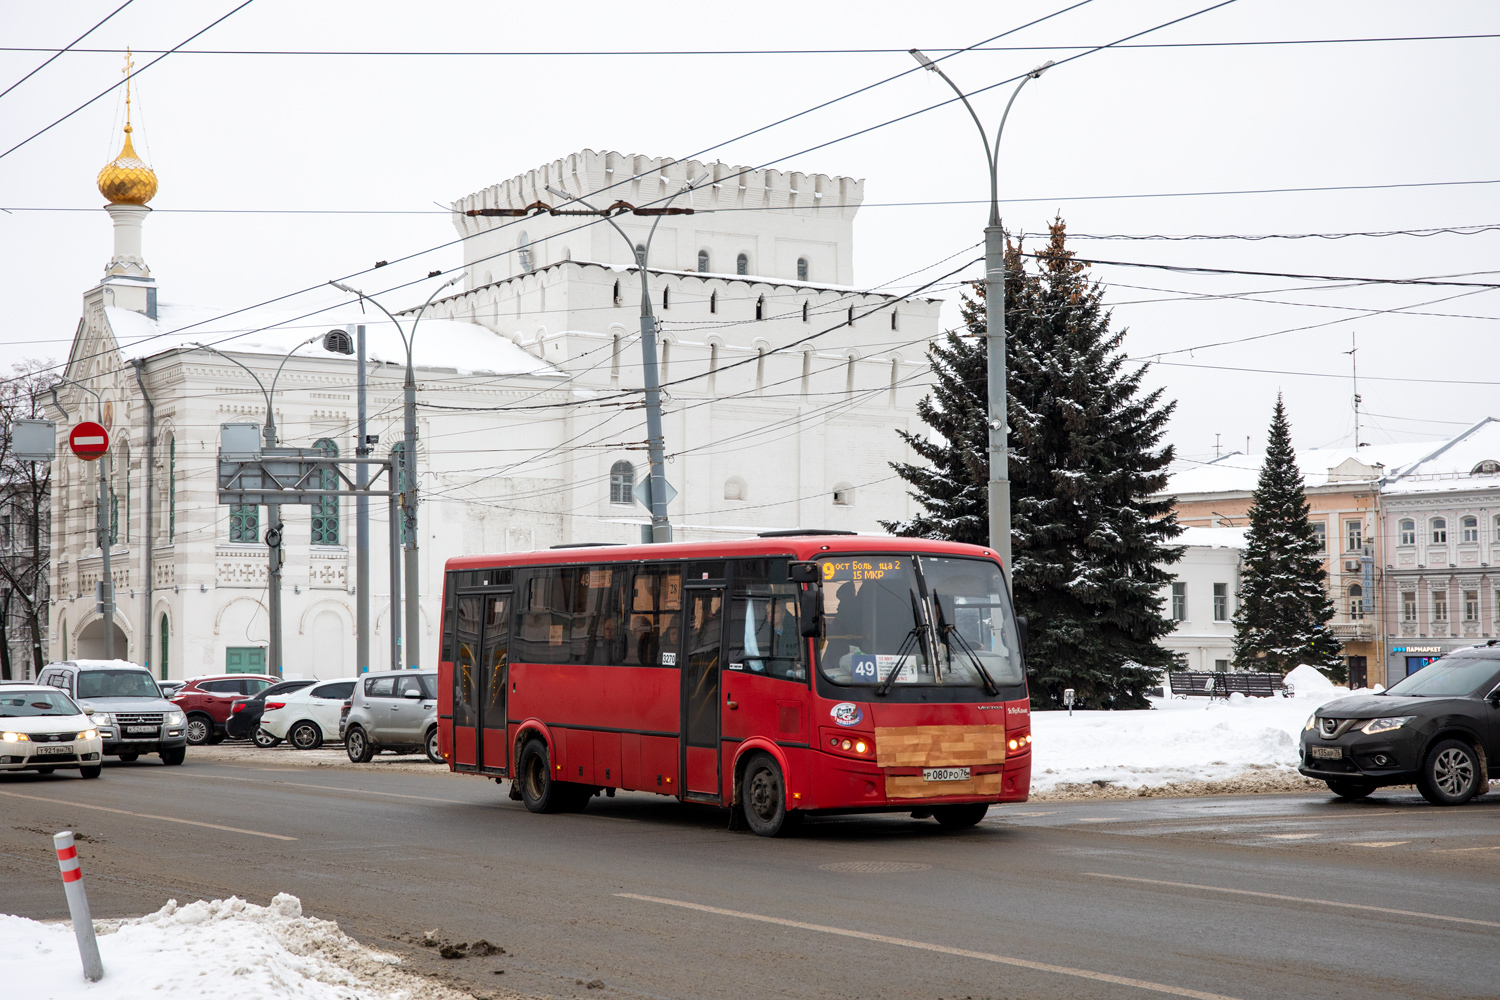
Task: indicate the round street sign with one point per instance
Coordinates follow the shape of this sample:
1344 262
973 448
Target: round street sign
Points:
88 440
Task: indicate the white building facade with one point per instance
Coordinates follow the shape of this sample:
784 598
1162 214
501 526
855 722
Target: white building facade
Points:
1203 597
784 388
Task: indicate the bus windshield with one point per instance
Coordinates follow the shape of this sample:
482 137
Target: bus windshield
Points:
903 620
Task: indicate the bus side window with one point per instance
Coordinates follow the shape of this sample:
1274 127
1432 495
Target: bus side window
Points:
655 616
764 637
466 627
450 586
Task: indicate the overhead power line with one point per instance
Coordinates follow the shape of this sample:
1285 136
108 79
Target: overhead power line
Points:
1189 269
69 47
551 53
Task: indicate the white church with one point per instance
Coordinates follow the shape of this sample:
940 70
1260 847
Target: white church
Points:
784 386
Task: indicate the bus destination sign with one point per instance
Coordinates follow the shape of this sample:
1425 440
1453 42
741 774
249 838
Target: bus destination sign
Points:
838 570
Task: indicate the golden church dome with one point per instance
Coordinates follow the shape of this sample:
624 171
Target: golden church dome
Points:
126 180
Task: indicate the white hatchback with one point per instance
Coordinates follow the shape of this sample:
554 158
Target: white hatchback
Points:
42 729
308 717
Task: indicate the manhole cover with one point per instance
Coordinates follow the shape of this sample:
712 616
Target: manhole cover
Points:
874 867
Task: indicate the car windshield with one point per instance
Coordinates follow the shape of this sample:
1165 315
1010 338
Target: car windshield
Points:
879 627
1450 677
27 704
116 684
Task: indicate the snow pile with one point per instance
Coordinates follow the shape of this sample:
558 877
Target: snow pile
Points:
1308 681
1181 740
221 947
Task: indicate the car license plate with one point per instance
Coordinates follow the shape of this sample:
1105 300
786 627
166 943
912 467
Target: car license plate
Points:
945 774
1328 753
141 730
40 751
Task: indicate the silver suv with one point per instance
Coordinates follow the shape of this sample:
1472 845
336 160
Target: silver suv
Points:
394 710
123 700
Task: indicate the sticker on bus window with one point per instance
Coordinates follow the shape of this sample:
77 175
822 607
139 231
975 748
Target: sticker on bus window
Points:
669 659
838 570
870 668
846 713
736 666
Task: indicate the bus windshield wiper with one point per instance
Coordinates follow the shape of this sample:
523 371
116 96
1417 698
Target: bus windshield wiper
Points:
945 630
917 634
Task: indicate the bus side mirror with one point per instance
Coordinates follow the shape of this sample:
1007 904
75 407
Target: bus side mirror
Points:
1021 632
804 572
809 612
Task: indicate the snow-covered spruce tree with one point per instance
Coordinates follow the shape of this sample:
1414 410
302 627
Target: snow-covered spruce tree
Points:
1284 610
1089 541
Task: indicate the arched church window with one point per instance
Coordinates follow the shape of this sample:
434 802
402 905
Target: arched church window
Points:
801 268
702 261
523 252
742 264
325 513
622 483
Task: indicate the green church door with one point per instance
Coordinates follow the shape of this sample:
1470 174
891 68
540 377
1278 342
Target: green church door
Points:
245 660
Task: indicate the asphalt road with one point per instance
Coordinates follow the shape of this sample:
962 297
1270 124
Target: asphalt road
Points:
1250 897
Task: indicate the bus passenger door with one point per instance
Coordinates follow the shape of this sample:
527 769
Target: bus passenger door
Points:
703 641
480 674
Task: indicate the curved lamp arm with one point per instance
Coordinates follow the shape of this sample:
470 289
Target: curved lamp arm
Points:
363 298
270 414
288 357
411 344
98 400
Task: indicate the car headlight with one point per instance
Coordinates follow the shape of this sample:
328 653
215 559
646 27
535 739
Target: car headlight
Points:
15 737
1312 720
88 734
101 719
1385 725
175 718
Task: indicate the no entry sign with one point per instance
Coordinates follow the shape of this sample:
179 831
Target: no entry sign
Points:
89 440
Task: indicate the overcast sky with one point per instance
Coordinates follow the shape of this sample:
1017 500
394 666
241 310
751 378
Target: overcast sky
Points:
264 135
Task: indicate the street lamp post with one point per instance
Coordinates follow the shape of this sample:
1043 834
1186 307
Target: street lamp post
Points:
275 551
661 525
994 319
409 466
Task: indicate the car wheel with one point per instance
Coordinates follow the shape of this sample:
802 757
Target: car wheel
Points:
1450 776
199 729
960 817
357 746
1350 789
265 740
539 790
174 756
763 796
128 757
305 736
91 772
433 753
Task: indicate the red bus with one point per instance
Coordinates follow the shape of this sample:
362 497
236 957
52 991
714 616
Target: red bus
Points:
779 676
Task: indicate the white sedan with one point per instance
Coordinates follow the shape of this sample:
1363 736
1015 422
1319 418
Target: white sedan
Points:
42 729
307 717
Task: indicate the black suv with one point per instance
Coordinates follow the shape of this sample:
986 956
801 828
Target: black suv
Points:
1438 728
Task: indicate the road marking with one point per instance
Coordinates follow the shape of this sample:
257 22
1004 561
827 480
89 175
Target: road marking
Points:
1291 836
1379 843
1097 819
1052 813
983 956
1298 899
164 819
1461 850
335 788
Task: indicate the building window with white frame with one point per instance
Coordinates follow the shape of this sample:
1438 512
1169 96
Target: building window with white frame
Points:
1409 606
1320 532
1439 531
1356 602
1179 601
1221 602
801 268
622 483
742 264
1471 605
1408 531
1497 527
1354 535
702 261
1439 605
1469 529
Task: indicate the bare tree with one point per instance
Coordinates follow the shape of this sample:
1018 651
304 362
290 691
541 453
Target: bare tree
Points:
25 524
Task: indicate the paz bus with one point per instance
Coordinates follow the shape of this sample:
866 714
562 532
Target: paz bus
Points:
790 674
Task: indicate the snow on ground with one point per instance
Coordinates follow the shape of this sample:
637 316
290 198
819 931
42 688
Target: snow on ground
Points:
1179 740
223 947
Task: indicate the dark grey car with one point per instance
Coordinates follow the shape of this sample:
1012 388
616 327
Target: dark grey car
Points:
123 701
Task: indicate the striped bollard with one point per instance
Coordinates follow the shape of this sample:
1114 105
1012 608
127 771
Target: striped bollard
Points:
78 906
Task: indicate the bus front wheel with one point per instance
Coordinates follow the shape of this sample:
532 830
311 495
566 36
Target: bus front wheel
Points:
763 797
539 790
960 817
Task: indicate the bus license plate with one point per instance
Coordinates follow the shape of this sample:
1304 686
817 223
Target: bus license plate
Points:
51 749
945 774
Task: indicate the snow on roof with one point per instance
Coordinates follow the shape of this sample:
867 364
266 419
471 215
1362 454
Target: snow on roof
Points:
440 343
1218 538
1451 465
1238 473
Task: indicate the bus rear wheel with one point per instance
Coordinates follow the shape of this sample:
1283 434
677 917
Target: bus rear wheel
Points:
763 797
959 817
539 790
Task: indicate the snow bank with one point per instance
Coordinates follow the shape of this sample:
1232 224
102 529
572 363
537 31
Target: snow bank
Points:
1181 740
222 947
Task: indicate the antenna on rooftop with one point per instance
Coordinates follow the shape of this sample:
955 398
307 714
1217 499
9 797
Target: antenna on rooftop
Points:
1216 446
1354 369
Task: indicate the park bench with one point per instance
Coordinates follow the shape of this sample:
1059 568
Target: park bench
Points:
1223 683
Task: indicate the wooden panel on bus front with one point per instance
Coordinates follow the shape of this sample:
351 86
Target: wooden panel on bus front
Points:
939 746
629 699
913 786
